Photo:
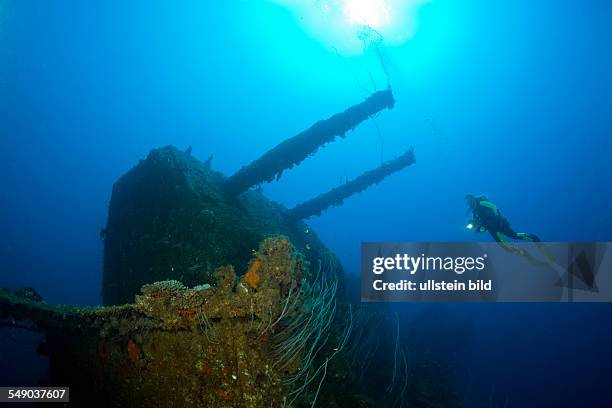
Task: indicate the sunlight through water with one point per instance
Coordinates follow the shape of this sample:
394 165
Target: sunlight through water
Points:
340 23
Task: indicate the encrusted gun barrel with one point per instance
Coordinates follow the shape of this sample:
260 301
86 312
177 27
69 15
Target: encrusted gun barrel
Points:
336 196
294 150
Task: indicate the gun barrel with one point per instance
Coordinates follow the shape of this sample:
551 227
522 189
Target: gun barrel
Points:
336 196
294 150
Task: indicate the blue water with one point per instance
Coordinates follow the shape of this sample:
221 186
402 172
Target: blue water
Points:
509 99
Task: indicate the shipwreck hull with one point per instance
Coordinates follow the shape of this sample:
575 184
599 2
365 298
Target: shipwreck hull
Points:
212 346
171 218
196 316
275 337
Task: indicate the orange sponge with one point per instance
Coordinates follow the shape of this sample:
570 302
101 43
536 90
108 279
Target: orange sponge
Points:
253 276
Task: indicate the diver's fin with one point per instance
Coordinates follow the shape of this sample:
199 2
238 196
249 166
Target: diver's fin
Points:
546 252
502 240
542 247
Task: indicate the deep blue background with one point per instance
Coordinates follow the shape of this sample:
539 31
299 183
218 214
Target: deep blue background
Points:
511 99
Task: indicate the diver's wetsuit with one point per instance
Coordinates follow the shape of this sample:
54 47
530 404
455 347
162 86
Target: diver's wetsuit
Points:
488 217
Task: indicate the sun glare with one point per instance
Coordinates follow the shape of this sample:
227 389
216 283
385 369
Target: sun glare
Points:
341 23
371 13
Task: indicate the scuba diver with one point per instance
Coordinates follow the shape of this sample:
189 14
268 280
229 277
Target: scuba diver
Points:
486 217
